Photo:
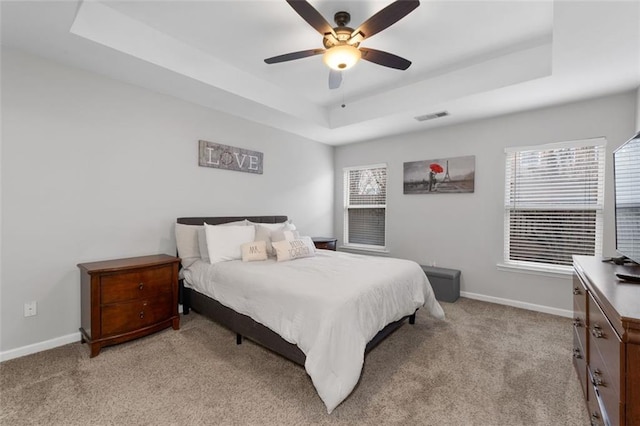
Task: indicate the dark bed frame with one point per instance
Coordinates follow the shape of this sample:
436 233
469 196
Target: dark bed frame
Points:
243 325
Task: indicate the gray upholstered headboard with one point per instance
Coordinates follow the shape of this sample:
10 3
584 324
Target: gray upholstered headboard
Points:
217 220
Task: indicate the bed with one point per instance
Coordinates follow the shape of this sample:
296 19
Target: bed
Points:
323 312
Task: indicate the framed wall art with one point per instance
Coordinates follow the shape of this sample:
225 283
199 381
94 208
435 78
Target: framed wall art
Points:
440 176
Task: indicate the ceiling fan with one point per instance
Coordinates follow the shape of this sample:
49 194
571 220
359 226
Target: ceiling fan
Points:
342 44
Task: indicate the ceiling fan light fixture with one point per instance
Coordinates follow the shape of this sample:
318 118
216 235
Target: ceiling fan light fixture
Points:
341 57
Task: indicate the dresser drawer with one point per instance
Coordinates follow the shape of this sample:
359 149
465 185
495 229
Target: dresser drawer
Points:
580 362
605 351
604 342
603 381
580 326
136 284
579 298
595 413
120 318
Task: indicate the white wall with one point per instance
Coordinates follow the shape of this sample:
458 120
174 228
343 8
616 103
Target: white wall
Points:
638 110
465 231
96 169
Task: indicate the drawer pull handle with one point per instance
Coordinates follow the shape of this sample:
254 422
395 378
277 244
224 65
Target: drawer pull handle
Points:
142 315
596 331
595 419
576 353
576 291
576 322
597 379
140 286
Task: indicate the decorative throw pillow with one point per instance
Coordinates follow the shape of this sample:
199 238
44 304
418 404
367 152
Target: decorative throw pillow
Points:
224 242
294 249
187 243
256 250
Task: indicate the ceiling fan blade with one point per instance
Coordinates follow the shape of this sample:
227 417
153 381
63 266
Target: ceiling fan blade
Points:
312 16
294 55
386 17
335 79
385 59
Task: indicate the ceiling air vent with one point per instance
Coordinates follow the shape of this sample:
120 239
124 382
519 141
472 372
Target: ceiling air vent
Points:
432 116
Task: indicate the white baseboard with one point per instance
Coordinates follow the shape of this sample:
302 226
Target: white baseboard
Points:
75 337
43 346
518 304
39 347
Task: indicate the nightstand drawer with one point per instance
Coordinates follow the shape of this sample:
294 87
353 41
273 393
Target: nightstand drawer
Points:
124 317
137 284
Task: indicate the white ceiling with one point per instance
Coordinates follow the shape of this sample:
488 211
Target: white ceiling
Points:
473 59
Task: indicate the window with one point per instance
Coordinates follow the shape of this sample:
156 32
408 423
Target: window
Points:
365 202
554 200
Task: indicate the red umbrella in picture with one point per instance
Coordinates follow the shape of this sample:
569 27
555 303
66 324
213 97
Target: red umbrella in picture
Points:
436 168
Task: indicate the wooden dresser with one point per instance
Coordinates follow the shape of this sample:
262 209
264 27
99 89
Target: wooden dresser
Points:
606 350
124 299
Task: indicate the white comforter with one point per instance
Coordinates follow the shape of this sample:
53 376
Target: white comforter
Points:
329 305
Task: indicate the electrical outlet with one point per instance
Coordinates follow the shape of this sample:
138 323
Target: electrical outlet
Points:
30 309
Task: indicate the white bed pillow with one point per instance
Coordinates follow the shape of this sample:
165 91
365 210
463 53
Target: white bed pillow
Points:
202 237
202 244
243 222
287 232
294 249
256 250
266 234
187 243
224 242
273 226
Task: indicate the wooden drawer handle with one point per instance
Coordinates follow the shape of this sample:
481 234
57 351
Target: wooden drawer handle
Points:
596 332
576 291
141 314
576 353
140 286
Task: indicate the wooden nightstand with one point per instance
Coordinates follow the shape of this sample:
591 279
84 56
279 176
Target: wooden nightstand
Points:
325 243
124 299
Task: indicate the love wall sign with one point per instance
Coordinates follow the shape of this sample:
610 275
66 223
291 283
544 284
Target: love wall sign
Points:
229 157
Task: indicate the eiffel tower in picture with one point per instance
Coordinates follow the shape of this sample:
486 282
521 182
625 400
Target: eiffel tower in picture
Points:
447 178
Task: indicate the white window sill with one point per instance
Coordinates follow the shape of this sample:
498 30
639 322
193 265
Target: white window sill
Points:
548 271
369 250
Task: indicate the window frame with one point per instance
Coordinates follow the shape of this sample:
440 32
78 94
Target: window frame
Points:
543 268
347 206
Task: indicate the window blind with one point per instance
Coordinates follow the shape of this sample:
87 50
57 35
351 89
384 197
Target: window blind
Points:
627 196
554 201
365 206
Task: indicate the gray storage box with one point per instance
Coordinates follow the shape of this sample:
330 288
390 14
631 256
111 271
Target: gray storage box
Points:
445 282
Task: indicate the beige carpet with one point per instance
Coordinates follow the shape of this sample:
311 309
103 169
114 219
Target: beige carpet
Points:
485 365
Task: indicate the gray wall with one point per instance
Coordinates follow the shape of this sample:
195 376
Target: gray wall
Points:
96 169
465 231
